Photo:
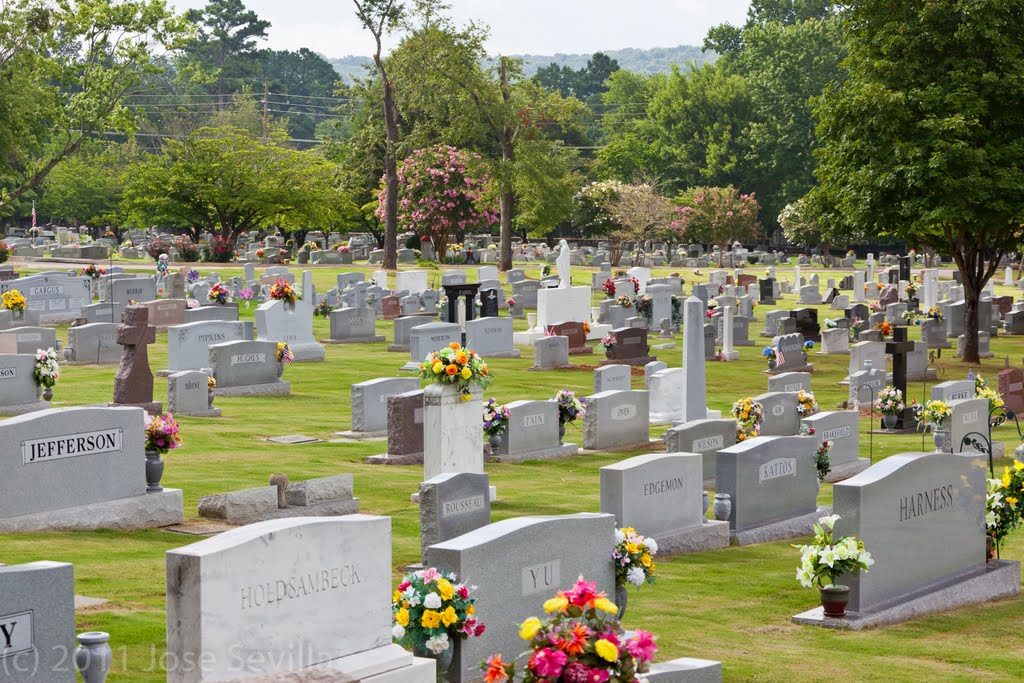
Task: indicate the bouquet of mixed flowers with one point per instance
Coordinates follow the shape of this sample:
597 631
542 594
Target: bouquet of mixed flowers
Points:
1003 510
260 253
821 460
162 433
890 401
284 291
608 288
582 640
94 271
805 403
769 353
456 365
323 309
911 289
808 345
219 294
47 368
875 307
624 301
586 327
283 353
830 324
495 417
933 414
211 383
645 305
431 610
569 407
343 249
246 294
191 303
609 342
14 300
934 313
996 405
310 246
885 327
749 414
856 325
827 557
633 557
511 303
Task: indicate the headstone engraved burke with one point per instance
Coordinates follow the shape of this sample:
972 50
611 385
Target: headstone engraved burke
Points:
516 565
284 595
37 623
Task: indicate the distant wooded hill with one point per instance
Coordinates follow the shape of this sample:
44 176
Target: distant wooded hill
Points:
654 60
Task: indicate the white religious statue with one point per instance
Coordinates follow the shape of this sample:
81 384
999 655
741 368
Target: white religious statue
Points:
563 265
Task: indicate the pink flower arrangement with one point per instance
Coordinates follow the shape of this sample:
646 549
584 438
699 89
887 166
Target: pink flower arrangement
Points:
162 433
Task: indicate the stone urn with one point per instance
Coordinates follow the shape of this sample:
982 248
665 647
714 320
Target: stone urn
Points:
93 656
561 432
209 399
723 506
280 369
890 421
154 470
939 437
494 440
834 599
621 599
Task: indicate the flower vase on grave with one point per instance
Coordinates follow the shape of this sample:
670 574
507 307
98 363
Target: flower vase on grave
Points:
209 399
707 503
723 506
93 656
890 421
621 599
48 393
17 315
443 660
561 432
154 471
939 437
494 440
834 599
990 548
280 370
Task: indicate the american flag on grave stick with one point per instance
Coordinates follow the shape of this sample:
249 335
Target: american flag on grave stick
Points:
33 213
779 355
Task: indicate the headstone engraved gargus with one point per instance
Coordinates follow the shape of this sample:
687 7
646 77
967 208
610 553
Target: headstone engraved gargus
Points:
517 564
79 468
662 494
921 515
37 623
285 595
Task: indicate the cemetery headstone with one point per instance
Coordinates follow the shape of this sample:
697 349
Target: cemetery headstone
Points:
451 505
616 419
247 368
37 623
133 383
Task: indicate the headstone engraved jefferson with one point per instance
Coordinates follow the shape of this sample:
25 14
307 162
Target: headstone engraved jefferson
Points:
284 595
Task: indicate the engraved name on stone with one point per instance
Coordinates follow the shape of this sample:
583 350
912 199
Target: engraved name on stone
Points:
70 446
970 418
193 385
533 420
247 358
708 443
775 469
417 416
793 387
626 412
542 578
15 634
44 290
8 373
356 321
958 395
631 340
211 337
297 586
30 337
461 506
57 304
1017 387
837 433
923 502
653 488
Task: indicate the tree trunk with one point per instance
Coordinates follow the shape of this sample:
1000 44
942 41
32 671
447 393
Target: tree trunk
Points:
971 296
390 165
826 256
721 254
507 199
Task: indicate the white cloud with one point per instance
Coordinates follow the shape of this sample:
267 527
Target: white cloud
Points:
517 26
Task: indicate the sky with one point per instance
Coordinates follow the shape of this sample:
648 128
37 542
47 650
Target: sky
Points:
517 26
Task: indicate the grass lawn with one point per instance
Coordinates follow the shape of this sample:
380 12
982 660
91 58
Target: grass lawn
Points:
732 605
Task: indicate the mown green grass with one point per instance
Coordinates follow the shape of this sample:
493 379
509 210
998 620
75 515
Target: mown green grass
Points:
732 605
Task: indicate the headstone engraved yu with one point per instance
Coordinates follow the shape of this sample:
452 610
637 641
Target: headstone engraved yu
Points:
517 564
133 383
284 595
662 494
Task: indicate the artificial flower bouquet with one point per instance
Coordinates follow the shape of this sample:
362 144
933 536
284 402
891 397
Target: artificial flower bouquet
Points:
645 305
609 342
324 309
14 300
633 557
933 414
805 403
47 367
749 414
885 327
636 285
495 417
456 365
283 353
570 408
827 558
162 433
283 290
890 401
624 301
431 610
996 405
219 294
581 641
1003 509
94 271
343 249
192 275
211 383
821 459
608 288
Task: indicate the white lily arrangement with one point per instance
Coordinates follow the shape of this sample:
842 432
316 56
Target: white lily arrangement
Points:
827 558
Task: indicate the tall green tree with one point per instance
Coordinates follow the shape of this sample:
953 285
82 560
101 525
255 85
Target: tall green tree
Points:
87 188
66 69
925 138
225 44
582 83
230 180
299 82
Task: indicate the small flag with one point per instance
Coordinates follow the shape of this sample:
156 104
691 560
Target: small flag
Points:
33 213
780 356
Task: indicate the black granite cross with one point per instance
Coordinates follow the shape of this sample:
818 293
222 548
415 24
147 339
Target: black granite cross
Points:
898 348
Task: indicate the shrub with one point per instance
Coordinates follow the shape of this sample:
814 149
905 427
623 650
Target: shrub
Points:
218 250
188 251
5 252
157 247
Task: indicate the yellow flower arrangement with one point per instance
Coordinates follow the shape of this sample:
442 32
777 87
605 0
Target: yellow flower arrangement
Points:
456 365
14 300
